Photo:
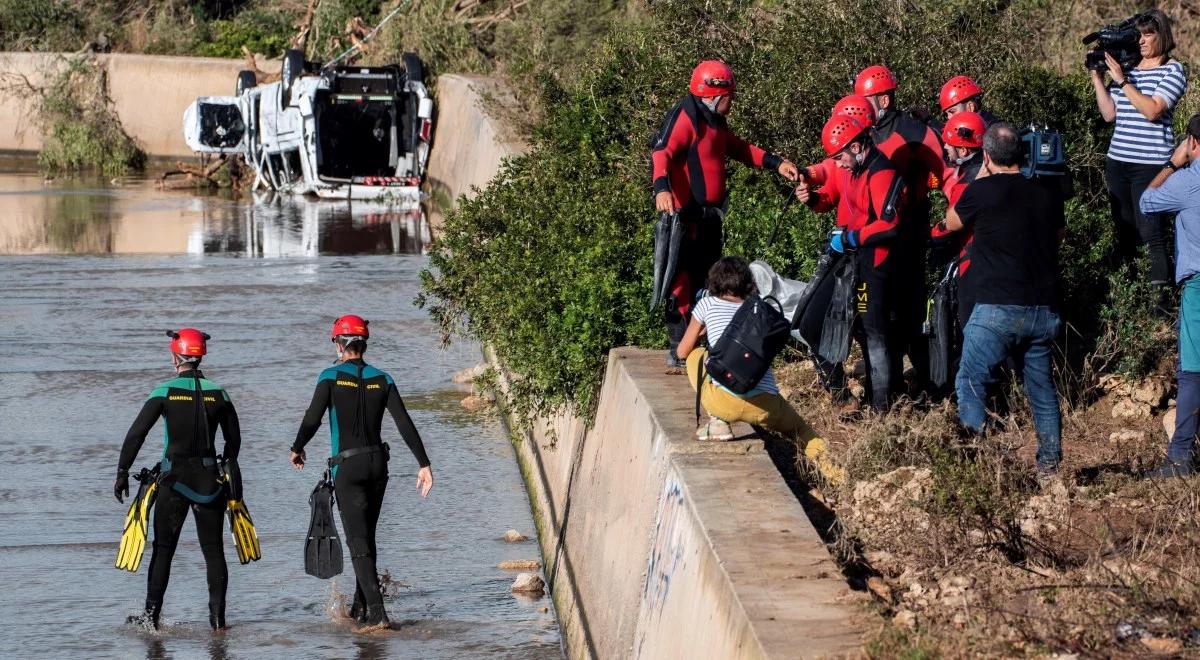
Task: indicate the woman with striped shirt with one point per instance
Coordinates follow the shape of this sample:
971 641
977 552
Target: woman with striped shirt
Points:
1142 103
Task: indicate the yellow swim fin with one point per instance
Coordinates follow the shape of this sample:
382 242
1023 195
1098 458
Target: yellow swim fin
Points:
133 540
245 539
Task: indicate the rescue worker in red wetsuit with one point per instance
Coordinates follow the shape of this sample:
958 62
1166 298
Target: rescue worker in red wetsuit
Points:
916 153
831 180
871 204
961 94
826 174
689 158
963 135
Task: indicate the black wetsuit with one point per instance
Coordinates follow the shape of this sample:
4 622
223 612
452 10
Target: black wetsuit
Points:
356 396
189 478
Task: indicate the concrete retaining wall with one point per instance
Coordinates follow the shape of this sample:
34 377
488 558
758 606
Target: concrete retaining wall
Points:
660 546
469 143
149 93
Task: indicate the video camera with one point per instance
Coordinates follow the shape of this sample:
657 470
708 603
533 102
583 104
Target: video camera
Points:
1045 160
1120 41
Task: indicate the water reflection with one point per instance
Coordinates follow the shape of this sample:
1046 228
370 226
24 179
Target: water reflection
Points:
132 216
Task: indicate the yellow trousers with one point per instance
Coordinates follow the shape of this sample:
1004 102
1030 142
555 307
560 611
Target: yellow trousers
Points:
770 411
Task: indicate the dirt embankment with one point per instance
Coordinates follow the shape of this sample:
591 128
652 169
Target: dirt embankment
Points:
966 553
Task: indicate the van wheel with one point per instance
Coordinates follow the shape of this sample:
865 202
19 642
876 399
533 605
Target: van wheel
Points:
245 80
413 69
293 66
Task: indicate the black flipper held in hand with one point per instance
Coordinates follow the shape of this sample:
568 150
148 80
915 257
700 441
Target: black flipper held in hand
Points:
323 547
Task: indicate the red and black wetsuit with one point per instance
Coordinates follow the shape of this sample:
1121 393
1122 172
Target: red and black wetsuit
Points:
948 242
871 206
829 180
689 159
916 152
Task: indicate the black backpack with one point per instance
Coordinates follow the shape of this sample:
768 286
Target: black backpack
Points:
755 335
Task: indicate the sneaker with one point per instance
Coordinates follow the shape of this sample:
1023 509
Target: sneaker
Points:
673 361
714 429
1169 470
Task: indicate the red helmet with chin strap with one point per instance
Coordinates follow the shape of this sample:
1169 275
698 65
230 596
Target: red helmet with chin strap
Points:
712 78
964 129
957 90
188 342
839 132
350 325
875 79
857 107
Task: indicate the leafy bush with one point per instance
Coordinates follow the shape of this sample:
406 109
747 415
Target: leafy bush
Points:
551 263
259 30
80 130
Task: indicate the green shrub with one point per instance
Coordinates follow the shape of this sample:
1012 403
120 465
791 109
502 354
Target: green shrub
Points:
80 130
568 226
259 30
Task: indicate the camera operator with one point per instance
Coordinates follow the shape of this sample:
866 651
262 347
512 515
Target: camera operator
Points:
1018 227
1141 101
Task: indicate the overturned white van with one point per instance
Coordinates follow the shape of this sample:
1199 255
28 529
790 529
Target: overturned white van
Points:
343 132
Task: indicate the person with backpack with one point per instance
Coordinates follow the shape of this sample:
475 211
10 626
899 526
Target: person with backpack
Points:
730 286
689 157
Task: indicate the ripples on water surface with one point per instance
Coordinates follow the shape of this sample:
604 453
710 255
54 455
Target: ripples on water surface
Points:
82 345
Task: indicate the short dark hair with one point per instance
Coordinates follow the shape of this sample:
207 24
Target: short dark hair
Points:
1155 21
1193 126
731 276
1002 144
353 344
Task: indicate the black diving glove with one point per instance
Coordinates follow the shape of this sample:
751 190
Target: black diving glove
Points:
233 489
121 485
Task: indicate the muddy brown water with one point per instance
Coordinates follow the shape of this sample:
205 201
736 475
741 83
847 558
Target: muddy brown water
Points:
92 274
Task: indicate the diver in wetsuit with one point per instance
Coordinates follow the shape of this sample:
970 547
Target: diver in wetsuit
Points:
189 477
356 395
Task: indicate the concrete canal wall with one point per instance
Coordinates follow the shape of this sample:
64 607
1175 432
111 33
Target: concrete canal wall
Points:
659 546
149 94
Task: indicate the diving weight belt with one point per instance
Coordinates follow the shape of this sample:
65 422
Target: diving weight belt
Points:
323 547
133 539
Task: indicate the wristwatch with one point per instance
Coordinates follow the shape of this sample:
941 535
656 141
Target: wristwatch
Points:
1127 81
1171 166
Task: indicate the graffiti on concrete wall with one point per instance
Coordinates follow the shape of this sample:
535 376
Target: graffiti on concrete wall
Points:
671 538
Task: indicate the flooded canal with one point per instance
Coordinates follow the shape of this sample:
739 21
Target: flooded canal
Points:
91 277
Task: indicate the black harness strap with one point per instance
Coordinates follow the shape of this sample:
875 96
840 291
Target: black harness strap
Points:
359 451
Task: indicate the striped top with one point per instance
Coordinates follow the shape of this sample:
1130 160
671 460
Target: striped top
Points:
1135 138
716 314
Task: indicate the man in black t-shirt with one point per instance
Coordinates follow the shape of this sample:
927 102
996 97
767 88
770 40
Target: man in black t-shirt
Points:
1018 226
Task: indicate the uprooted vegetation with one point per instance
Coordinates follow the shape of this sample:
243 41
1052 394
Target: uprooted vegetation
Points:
79 126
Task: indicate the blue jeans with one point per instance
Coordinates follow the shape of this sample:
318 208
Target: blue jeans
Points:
994 333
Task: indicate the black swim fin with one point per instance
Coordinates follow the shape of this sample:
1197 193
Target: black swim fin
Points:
323 547
834 346
662 244
940 322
